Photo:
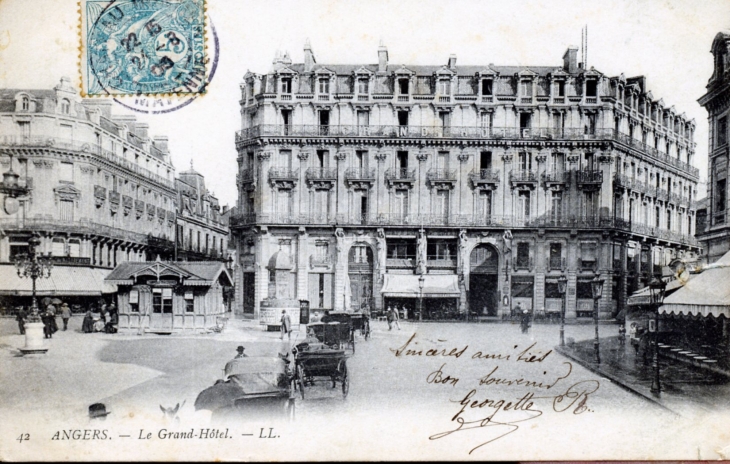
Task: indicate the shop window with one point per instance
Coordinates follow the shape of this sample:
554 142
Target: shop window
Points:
162 300
401 249
523 255
587 256
556 256
440 249
583 290
522 287
552 290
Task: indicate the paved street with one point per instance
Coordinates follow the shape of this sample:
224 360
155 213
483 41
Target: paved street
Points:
395 401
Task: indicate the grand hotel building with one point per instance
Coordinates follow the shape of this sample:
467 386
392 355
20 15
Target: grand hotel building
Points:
472 187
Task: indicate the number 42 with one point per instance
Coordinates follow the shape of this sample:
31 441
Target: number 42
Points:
23 437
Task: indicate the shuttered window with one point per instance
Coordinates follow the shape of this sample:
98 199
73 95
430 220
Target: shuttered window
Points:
66 210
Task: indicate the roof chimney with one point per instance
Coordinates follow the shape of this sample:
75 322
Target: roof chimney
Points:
570 60
309 59
452 61
382 58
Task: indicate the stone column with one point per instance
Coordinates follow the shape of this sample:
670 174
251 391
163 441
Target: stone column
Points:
302 264
341 248
571 300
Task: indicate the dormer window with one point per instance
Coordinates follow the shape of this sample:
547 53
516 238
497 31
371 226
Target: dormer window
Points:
65 106
363 86
526 88
286 85
592 89
560 89
444 87
487 87
324 85
403 86
25 104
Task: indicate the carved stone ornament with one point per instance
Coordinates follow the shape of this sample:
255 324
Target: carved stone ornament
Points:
341 155
264 155
87 169
99 195
67 192
463 157
303 155
43 164
127 204
150 211
540 158
114 200
381 155
422 156
507 157
160 215
138 208
170 218
572 158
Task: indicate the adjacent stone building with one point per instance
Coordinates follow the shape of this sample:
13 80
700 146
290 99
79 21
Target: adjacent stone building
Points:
716 236
95 186
202 228
468 189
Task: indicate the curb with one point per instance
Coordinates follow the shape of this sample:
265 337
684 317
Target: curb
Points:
616 380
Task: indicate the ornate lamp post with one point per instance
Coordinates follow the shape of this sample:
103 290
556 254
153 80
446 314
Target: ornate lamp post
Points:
597 288
562 287
421 283
34 267
657 288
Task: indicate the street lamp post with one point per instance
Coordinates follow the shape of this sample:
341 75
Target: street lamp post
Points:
562 287
34 267
597 288
657 288
421 283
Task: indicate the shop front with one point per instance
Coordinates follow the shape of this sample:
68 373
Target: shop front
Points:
427 297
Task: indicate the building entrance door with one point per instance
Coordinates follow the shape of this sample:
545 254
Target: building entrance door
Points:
249 293
483 293
360 273
161 315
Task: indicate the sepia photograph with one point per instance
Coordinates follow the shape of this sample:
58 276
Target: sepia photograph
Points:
328 230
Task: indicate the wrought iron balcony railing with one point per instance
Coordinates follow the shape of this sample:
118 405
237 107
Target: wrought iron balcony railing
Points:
556 177
400 174
586 176
321 174
522 175
278 173
460 132
360 174
441 175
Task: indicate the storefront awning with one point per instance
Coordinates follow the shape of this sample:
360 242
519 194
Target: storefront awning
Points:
707 294
64 280
434 286
643 296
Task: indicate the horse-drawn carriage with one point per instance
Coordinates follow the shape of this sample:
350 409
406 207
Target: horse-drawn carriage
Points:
317 362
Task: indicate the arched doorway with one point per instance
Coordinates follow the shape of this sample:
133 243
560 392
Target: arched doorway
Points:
360 273
483 280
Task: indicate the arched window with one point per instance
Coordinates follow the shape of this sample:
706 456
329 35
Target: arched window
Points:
65 106
25 104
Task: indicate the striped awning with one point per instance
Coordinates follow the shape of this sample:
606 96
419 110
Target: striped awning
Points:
64 280
434 286
707 294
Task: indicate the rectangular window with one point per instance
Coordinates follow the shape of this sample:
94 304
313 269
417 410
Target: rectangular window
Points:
523 287
525 161
485 119
552 290
556 256
556 206
162 300
561 88
523 205
66 172
401 203
199 241
363 118
485 203
402 118
444 87
525 119
324 85
442 204
324 117
487 87
402 160
445 118
441 249
322 158
401 248
588 255
485 160
722 131
189 302
363 86
591 88
526 88
557 162
286 118
284 159
134 301
584 290
523 255
66 210
403 86
286 85
24 127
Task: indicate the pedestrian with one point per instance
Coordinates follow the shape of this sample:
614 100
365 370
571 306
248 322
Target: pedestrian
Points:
285 324
389 316
87 325
517 311
525 321
396 317
104 313
65 315
20 317
52 318
240 353
47 318
634 337
644 347
622 335
111 326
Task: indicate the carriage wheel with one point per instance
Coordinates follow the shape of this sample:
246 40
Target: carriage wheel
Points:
300 379
345 382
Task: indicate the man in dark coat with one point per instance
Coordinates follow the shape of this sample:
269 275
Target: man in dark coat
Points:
525 321
285 324
20 317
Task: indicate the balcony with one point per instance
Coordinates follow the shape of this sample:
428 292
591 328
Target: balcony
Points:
441 178
589 179
283 178
662 194
360 178
245 177
485 179
321 178
555 180
400 177
556 263
522 264
523 178
675 198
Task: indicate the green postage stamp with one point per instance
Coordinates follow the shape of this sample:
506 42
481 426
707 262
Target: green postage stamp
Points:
143 47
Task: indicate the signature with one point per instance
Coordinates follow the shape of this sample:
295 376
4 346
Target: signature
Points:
575 398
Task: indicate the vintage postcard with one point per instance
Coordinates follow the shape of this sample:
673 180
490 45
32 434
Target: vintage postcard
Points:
326 230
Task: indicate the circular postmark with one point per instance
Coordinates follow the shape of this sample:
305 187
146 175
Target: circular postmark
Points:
148 48
160 105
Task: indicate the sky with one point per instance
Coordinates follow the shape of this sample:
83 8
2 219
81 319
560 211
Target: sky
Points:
668 41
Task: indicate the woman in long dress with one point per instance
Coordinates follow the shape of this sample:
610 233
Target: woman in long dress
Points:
88 324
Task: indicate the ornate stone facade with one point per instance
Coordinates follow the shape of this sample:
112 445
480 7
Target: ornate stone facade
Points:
513 176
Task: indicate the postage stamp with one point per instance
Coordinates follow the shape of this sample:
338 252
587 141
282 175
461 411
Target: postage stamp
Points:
143 47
